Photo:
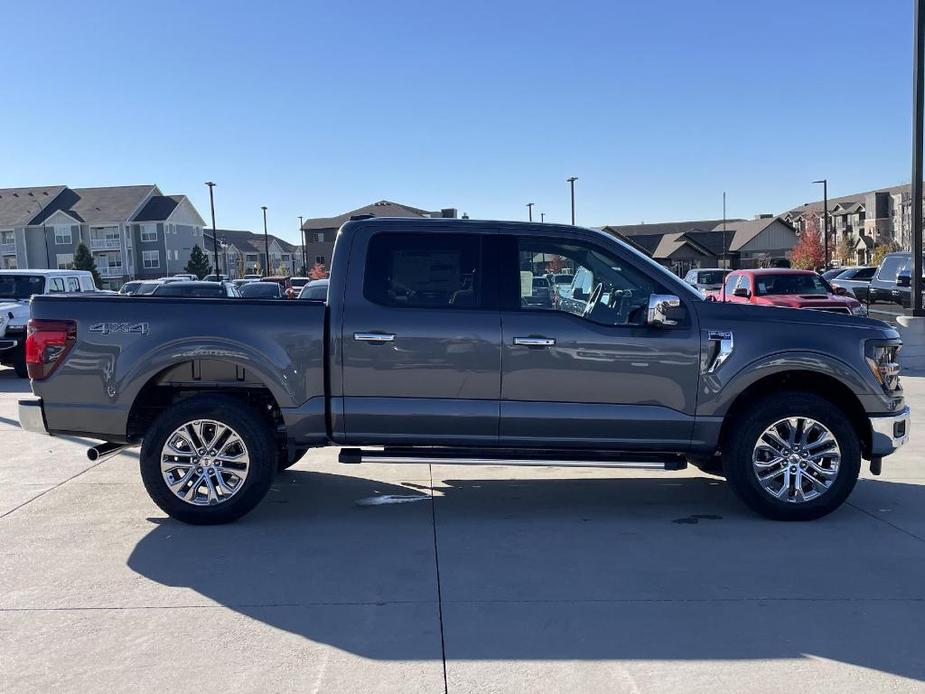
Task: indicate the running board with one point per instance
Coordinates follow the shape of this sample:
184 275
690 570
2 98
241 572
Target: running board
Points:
497 456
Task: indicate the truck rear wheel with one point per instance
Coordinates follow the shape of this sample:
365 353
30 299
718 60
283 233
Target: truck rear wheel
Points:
208 460
19 362
793 456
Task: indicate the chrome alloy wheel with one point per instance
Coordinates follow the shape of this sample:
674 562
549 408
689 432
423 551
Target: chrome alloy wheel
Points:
204 462
796 459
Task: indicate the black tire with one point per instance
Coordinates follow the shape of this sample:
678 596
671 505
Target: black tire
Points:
19 362
284 461
254 429
746 430
709 464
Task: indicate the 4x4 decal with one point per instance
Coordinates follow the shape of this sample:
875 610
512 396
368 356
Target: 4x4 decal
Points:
119 328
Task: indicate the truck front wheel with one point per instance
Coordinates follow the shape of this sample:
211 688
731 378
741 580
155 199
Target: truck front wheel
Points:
208 460
792 456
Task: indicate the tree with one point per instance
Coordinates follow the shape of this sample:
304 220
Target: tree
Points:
882 249
83 260
198 263
845 252
808 254
318 272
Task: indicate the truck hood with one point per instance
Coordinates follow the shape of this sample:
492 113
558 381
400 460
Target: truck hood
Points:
16 313
808 301
763 314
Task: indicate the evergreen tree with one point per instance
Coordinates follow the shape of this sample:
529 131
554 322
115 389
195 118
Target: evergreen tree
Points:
198 263
83 260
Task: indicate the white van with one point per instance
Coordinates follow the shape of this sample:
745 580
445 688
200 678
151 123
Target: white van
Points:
16 288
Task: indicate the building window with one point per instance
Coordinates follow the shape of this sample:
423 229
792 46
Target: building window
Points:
7 238
63 235
9 262
65 261
319 237
319 259
151 259
149 232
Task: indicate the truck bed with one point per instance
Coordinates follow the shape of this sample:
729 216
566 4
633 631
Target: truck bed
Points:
127 344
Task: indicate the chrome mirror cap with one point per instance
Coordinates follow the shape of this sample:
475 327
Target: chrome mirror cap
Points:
659 308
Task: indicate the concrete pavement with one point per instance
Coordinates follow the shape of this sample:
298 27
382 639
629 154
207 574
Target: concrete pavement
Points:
549 580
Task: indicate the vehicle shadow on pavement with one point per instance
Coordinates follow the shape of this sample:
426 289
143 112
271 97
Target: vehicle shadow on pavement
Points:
656 568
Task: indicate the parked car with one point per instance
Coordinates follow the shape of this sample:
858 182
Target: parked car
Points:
263 290
299 282
855 280
285 282
253 277
196 290
221 398
891 283
17 287
130 288
538 290
789 289
147 288
241 282
832 273
316 290
706 279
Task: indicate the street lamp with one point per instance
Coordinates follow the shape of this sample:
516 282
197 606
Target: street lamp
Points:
530 211
571 181
725 241
542 216
266 243
218 272
304 250
825 212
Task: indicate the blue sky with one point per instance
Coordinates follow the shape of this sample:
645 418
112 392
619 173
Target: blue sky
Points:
314 108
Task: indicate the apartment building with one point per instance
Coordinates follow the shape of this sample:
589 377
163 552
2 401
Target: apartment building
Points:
133 232
863 220
243 252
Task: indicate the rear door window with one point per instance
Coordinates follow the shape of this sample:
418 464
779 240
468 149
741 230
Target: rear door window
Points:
72 284
55 284
440 271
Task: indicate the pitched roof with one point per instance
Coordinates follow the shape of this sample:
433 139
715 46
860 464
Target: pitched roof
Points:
662 228
248 241
383 208
99 205
18 206
158 208
816 206
744 231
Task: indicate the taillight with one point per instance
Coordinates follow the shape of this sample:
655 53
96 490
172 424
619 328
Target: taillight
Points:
47 343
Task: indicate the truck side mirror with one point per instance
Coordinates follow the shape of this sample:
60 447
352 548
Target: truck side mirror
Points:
741 291
904 280
664 310
840 291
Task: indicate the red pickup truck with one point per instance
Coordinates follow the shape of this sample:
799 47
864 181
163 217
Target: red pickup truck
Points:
786 288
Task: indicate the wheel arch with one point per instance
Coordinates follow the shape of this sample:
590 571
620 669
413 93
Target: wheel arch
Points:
807 381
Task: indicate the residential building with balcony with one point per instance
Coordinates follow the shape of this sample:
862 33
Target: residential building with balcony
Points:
133 232
243 252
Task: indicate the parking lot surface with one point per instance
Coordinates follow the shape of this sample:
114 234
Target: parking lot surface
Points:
510 580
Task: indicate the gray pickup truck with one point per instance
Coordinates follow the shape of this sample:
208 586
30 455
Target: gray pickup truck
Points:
430 348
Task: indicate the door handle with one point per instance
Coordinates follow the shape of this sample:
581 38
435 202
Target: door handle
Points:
535 341
374 337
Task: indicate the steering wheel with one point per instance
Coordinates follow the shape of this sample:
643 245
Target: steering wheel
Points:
593 299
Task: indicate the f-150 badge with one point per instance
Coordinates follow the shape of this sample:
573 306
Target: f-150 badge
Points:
119 328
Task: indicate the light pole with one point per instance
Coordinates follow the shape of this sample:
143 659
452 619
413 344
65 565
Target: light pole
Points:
918 91
530 211
266 243
725 241
542 216
218 272
571 181
304 250
825 213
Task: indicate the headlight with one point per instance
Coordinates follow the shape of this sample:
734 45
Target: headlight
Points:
881 358
859 310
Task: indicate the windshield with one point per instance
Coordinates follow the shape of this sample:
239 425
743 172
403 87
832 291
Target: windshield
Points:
715 277
21 286
670 279
260 291
315 293
190 290
790 284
